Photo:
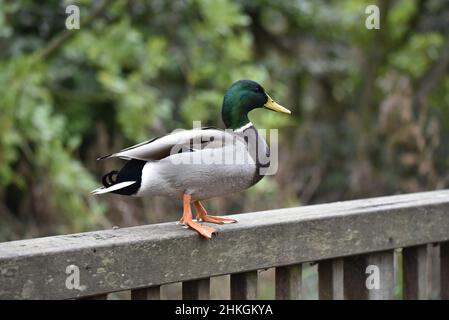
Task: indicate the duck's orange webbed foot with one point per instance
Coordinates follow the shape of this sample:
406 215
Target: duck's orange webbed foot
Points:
186 219
201 214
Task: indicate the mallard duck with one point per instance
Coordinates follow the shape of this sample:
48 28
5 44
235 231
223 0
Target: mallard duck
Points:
199 164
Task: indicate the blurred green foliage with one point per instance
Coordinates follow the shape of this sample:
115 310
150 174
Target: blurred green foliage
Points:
370 107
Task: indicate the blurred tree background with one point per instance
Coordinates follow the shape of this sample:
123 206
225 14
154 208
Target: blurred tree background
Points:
370 107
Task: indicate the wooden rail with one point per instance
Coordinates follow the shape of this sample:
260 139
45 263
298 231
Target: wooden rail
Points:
344 238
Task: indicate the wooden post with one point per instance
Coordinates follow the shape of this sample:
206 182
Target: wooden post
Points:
244 286
150 293
196 289
384 261
444 269
288 282
416 272
330 279
96 297
434 263
354 278
367 276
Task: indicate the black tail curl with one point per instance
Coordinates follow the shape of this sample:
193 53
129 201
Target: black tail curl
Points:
131 171
110 178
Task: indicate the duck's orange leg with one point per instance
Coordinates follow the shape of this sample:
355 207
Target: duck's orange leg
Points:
201 214
187 219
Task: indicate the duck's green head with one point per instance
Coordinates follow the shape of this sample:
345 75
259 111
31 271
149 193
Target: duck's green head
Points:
242 97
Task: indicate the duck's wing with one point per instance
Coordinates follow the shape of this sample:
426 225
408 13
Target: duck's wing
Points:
176 142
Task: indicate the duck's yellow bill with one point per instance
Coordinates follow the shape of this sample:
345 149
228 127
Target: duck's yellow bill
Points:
273 105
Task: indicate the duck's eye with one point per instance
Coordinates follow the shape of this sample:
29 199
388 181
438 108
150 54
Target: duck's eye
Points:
257 89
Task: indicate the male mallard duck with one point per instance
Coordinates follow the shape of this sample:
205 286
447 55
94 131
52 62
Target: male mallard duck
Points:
199 164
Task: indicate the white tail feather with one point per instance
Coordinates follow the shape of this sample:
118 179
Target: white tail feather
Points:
114 187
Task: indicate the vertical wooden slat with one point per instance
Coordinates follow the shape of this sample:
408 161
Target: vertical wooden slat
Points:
288 282
444 270
96 297
416 272
433 256
150 293
330 279
354 278
244 286
397 268
369 276
384 261
196 289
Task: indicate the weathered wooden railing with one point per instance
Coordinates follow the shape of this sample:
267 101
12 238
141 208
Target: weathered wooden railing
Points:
343 238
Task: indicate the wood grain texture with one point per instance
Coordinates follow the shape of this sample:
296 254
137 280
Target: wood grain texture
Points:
384 261
150 293
196 289
416 273
244 286
354 278
369 276
288 282
330 279
444 269
96 297
435 271
120 259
